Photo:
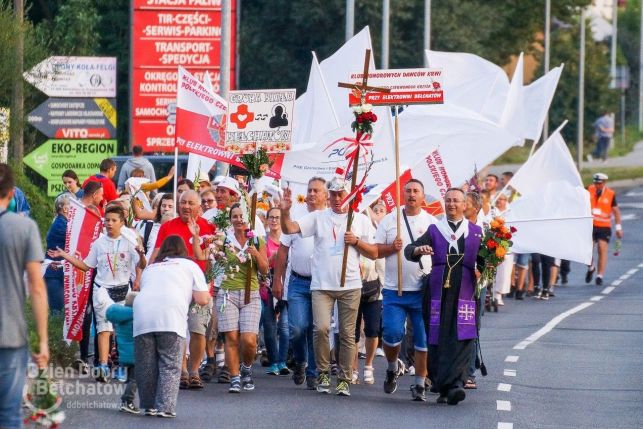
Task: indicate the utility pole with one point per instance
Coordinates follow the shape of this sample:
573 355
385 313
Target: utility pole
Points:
641 72
427 30
350 19
224 84
17 99
547 54
386 11
613 44
581 93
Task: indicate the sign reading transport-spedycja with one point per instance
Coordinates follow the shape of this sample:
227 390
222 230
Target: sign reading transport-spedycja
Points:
53 157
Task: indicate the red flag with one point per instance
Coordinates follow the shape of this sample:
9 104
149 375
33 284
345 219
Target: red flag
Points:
431 206
83 228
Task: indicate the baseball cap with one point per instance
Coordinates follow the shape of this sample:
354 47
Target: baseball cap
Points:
337 184
599 177
230 183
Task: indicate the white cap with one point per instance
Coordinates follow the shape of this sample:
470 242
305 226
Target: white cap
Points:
203 177
231 184
218 180
599 177
337 184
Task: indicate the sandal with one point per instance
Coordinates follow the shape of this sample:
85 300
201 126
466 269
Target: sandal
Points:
470 384
207 372
224 376
185 382
195 382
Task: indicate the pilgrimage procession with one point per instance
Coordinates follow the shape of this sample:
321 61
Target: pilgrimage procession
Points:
411 223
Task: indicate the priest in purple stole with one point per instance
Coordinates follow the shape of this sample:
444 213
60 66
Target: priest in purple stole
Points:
450 306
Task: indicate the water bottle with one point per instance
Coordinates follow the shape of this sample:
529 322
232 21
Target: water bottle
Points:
617 247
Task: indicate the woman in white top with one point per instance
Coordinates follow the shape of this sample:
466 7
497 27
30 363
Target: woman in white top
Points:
168 286
503 275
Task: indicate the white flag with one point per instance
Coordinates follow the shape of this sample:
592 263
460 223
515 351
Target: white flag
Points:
553 214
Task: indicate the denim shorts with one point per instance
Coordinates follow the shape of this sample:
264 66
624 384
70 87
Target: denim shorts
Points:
522 259
394 314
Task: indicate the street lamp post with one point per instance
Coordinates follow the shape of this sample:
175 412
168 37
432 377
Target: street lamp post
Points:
386 11
581 92
427 30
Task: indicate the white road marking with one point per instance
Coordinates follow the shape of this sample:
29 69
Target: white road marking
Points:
607 290
634 194
628 216
505 425
631 205
550 325
641 265
504 387
617 282
596 298
510 372
632 271
512 359
624 277
503 405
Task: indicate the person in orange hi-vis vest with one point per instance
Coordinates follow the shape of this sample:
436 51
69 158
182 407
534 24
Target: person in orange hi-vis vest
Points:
603 200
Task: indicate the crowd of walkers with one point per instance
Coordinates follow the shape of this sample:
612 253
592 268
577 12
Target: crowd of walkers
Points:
160 323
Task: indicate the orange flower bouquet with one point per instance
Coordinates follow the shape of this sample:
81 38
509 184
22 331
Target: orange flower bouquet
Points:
495 245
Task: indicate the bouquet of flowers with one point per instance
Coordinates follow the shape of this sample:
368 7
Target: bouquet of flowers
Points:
495 245
364 118
43 402
222 219
257 163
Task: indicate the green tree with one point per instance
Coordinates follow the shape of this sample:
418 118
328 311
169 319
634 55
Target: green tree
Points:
629 31
74 29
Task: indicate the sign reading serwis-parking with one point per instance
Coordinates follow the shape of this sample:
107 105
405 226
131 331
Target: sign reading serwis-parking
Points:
75 76
53 157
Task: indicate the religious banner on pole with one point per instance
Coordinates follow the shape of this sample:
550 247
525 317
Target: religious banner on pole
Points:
83 228
260 119
407 86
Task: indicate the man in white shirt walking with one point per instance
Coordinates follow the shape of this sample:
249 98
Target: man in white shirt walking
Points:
396 309
293 264
328 227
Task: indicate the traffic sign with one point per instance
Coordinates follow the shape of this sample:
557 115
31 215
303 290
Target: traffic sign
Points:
76 118
53 157
75 76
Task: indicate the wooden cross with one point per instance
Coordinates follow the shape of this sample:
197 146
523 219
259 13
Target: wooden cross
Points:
363 90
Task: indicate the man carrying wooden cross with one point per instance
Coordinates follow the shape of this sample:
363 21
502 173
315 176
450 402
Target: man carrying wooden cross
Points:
329 228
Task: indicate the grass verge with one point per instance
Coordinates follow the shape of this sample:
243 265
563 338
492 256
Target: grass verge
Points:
614 173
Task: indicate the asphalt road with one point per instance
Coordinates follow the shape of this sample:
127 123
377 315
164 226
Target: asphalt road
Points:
580 370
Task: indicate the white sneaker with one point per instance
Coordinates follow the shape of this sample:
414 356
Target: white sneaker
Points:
401 368
379 352
369 378
355 377
411 370
499 300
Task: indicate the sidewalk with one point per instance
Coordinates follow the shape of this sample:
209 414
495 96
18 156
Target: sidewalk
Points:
632 159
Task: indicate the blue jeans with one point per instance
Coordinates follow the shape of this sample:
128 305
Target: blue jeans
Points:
13 374
300 318
55 292
277 350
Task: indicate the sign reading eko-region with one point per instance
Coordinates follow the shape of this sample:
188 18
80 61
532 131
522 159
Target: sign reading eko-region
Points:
53 157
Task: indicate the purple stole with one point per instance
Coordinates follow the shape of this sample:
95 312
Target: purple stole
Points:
466 317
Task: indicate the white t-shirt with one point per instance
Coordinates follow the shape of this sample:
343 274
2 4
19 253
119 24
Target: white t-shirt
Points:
166 294
301 253
115 260
411 272
329 228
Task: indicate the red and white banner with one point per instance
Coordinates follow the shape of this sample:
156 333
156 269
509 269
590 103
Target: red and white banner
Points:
432 205
408 86
432 172
201 120
83 228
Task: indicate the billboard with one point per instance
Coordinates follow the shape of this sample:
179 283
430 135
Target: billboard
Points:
166 34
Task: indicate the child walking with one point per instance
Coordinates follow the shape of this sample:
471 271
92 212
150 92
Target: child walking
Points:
115 259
